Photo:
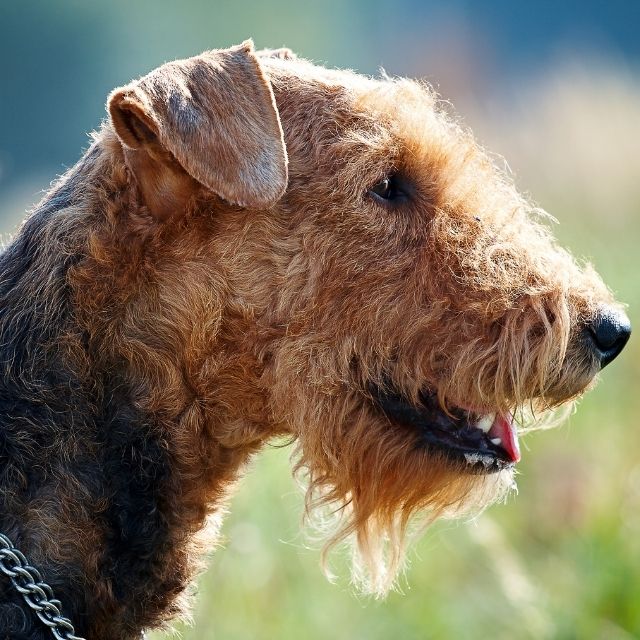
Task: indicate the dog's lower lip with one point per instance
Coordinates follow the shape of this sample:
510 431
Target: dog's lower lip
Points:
485 442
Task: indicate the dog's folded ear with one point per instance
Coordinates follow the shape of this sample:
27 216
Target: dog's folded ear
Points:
216 116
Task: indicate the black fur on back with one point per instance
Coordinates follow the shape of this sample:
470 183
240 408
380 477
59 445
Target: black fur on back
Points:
69 433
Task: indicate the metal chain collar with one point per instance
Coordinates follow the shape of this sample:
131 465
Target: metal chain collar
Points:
36 593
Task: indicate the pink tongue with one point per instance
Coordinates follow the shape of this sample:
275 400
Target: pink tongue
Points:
503 428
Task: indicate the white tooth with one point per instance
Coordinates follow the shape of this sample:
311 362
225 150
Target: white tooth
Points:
486 422
496 441
475 458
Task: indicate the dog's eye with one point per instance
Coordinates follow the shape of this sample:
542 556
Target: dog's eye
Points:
388 189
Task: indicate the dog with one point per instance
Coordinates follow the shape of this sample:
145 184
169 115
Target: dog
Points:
256 247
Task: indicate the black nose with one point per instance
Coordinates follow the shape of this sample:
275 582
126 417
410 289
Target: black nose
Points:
609 332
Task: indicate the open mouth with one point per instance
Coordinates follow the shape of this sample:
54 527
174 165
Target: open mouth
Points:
486 443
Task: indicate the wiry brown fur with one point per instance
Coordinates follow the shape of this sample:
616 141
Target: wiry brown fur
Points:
205 327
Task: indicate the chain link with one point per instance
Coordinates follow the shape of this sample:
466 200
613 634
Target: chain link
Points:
35 592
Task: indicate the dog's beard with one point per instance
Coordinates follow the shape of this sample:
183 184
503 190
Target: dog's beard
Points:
370 487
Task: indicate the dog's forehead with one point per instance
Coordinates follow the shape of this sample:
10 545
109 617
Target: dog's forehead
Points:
301 72
400 110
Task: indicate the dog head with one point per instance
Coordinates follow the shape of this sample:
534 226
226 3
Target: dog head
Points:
341 262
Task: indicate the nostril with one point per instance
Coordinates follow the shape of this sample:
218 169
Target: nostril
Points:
609 332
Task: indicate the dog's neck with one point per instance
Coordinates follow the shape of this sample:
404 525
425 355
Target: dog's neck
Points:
111 469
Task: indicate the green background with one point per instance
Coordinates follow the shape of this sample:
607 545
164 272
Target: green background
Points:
554 88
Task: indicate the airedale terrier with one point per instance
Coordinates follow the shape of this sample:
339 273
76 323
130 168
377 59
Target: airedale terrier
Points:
256 247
